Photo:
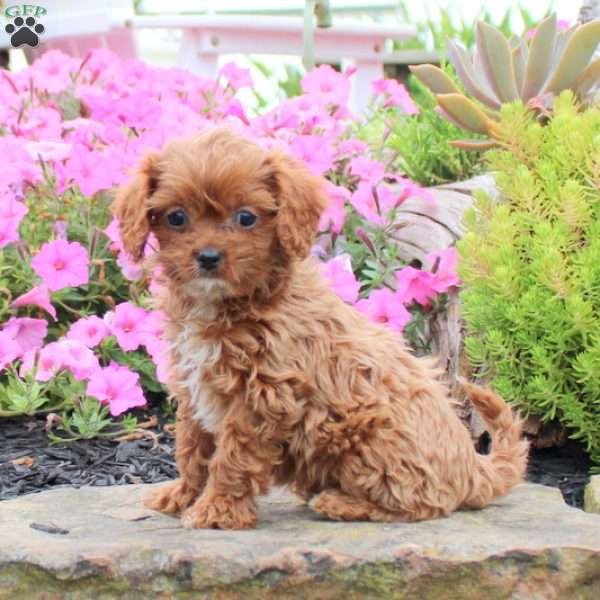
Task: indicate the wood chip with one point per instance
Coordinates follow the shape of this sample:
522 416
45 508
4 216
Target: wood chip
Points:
50 528
139 435
169 428
26 461
151 423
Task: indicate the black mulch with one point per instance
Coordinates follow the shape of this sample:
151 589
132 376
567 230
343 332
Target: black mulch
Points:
29 463
567 468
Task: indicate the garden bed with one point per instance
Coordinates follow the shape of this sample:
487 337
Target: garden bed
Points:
31 463
386 244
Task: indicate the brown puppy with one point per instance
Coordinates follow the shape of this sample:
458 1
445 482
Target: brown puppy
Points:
278 380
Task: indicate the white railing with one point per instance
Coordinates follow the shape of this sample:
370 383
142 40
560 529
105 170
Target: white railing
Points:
76 26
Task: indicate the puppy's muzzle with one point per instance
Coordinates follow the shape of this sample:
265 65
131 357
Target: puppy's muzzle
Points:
209 259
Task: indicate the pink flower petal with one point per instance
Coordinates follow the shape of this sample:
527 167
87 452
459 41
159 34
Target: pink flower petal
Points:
36 296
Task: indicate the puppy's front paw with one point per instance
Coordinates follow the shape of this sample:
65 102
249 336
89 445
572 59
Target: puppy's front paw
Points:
220 512
171 498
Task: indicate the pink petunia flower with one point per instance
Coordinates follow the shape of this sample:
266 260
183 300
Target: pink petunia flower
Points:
395 95
352 147
338 273
130 269
89 331
385 306
20 167
367 169
414 285
315 151
153 329
40 123
234 108
113 233
78 358
87 169
162 361
27 333
9 349
48 151
36 296
52 71
28 361
375 210
49 362
9 233
327 86
62 264
445 275
334 216
236 76
157 283
12 212
67 354
11 209
410 189
159 350
127 324
116 386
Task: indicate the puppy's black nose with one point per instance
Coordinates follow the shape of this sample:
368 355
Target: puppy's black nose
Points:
209 258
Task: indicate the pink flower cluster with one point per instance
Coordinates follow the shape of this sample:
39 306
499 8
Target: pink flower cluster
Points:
412 286
78 127
132 326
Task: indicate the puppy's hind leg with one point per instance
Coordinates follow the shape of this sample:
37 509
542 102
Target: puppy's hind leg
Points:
338 505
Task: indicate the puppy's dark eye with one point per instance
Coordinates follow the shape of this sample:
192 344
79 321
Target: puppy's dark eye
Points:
245 219
177 219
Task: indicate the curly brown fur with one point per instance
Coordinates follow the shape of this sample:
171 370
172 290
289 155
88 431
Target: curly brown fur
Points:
278 380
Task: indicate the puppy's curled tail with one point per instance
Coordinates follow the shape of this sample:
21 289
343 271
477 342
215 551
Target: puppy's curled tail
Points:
498 471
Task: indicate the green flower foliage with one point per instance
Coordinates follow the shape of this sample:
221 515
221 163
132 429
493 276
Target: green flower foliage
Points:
531 269
418 146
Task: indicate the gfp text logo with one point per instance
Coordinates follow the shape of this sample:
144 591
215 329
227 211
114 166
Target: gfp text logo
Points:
24 29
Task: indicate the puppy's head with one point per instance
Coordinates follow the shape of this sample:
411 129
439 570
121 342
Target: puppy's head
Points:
225 212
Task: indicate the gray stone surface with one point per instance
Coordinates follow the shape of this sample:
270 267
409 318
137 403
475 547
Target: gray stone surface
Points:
529 545
592 495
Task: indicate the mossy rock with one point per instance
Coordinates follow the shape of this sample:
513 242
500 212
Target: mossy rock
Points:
107 545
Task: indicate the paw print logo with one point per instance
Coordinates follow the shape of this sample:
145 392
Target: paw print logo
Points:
24 32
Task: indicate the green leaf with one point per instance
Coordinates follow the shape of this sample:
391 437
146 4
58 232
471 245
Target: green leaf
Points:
474 145
588 79
434 78
576 56
461 61
464 113
539 62
497 62
519 59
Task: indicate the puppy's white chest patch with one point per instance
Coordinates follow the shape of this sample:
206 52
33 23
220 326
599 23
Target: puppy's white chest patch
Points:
194 356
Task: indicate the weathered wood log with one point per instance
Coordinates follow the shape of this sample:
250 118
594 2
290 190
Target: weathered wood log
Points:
429 227
432 226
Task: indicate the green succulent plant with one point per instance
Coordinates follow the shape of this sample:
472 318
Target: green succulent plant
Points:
502 71
530 267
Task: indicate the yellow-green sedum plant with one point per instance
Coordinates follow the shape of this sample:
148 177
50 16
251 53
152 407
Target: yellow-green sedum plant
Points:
502 71
531 268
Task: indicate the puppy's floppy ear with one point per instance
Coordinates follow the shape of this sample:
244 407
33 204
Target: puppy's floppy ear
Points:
300 200
129 207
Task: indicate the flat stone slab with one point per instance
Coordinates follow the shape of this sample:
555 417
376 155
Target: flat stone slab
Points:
102 543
